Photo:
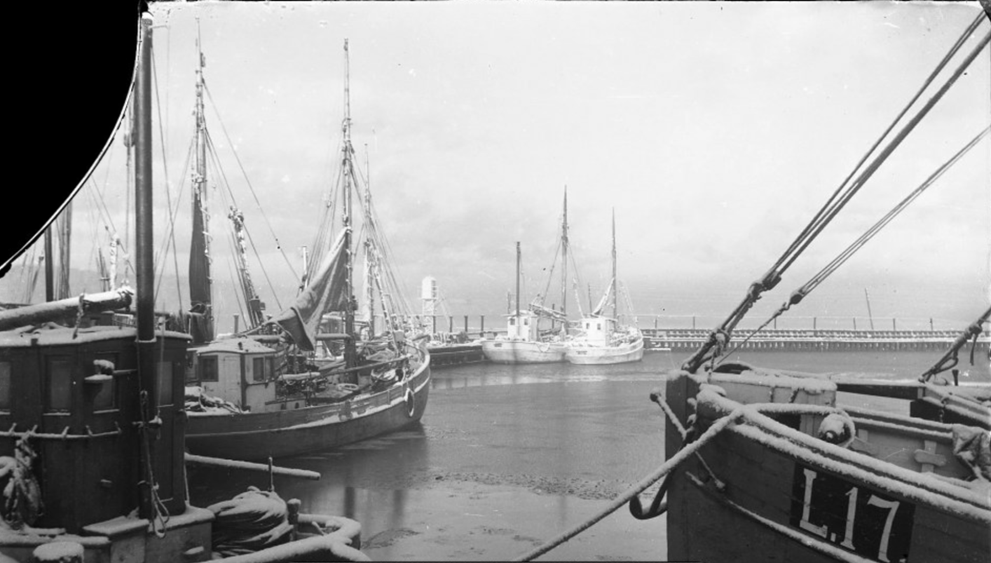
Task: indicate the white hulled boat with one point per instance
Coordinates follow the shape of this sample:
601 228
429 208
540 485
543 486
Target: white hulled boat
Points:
605 340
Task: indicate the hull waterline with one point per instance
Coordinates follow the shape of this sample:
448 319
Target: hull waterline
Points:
523 352
296 431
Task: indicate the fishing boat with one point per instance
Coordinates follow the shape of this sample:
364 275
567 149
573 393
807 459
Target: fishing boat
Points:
523 343
602 339
242 405
91 452
772 465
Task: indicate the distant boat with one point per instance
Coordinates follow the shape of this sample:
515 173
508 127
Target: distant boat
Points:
604 340
446 348
92 466
523 343
240 407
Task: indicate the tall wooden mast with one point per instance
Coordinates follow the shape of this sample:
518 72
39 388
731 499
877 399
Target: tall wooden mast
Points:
144 252
615 284
518 287
564 256
200 285
348 169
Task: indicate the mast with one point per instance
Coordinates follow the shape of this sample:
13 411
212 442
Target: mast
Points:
49 265
369 252
349 347
517 287
615 289
251 298
564 256
144 251
64 236
199 254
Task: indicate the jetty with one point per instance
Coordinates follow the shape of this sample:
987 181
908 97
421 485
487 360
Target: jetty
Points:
468 328
810 339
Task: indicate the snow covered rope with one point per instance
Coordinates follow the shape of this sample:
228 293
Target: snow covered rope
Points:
622 499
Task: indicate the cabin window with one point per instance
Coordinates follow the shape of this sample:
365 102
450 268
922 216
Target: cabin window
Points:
165 373
270 366
4 386
598 326
512 321
105 395
58 382
208 368
258 369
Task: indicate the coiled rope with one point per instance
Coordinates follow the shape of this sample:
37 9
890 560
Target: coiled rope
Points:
633 491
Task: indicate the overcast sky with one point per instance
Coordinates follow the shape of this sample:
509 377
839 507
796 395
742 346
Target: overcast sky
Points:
714 130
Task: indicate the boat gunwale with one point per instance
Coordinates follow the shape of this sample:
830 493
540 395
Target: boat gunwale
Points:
842 461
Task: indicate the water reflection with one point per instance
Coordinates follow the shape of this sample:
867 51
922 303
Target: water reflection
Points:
532 454
366 481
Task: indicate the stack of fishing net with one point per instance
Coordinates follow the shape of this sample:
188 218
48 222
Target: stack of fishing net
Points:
251 521
198 401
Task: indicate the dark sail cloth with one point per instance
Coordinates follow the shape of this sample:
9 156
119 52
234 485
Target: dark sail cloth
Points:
325 293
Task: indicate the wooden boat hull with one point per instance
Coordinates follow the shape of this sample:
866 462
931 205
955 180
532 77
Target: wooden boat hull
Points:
773 497
601 355
523 351
301 429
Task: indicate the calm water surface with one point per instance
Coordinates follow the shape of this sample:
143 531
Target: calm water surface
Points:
507 457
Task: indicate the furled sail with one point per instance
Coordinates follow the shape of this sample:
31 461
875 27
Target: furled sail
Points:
605 300
326 292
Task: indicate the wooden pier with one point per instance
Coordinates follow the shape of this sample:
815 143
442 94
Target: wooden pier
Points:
466 329
838 340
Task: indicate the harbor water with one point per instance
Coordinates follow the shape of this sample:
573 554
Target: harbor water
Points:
507 457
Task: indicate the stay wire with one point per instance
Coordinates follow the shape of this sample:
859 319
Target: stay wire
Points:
821 276
278 244
929 80
773 275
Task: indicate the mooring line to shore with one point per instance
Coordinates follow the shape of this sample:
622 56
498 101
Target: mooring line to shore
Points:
641 486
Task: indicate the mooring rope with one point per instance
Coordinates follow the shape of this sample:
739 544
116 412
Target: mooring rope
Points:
633 491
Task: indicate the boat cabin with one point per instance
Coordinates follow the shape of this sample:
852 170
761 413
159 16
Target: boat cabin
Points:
598 330
72 399
238 370
522 326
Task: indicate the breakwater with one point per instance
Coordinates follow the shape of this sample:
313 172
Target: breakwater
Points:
777 339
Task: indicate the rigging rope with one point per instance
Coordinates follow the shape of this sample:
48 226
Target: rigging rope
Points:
800 293
550 275
172 215
950 359
278 245
832 208
216 161
168 186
